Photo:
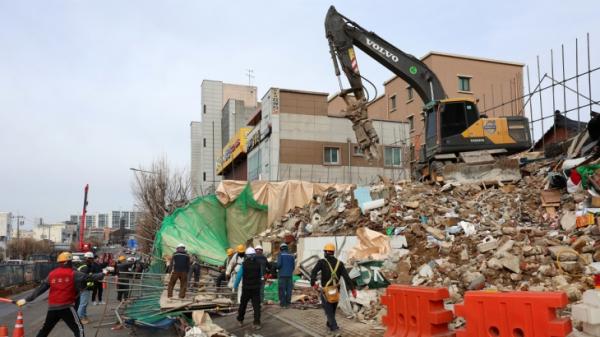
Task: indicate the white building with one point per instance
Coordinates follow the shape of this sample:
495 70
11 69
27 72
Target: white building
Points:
111 219
207 132
5 228
294 136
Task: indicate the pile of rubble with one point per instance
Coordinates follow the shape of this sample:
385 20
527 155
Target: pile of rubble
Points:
521 236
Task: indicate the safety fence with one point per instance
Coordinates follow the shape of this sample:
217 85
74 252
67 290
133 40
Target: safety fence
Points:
420 312
14 275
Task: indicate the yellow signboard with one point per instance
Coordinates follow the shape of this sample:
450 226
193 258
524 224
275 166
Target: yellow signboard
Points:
234 148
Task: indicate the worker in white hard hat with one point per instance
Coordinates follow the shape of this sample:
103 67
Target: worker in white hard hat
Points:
86 293
251 277
179 271
264 269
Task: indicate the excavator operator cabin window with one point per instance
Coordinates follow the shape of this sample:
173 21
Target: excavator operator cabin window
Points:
454 119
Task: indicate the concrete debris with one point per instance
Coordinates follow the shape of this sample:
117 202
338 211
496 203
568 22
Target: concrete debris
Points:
467 236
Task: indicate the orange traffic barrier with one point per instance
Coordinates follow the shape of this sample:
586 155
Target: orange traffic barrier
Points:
518 313
19 331
416 312
3 331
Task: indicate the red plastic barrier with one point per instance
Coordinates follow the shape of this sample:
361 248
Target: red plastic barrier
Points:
416 312
513 314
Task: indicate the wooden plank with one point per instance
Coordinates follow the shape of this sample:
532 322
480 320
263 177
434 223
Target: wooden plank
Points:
550 197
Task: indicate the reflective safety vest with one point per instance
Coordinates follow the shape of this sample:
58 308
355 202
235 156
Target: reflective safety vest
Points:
89 285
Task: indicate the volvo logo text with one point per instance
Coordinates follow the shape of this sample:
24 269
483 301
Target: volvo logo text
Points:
382 50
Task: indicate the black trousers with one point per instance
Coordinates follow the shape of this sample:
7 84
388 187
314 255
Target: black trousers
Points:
68 315
330 309
97 292
250 295
220 279
123 289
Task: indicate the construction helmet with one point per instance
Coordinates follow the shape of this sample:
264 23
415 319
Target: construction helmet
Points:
330 247
64 257
181 245
240 248
229 251
88 255
283 246
122 258
250 251
259 247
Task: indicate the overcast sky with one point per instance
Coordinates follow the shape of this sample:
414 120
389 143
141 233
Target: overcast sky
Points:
91 88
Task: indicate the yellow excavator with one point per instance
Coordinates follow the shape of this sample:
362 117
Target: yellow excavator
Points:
460 144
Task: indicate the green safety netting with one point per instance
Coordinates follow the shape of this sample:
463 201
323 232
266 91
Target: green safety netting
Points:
207 228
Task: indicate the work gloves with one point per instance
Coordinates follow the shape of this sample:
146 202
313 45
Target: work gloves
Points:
20 302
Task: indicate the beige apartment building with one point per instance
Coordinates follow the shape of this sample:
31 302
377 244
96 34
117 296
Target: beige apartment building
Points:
496 85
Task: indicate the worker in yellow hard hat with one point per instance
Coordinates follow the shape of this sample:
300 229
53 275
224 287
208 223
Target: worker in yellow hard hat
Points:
332 270
64 283
222 277
234 266
123 272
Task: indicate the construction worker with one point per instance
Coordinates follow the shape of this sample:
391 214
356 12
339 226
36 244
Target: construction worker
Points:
194 271
234 266
222 277
123 268
97 267
180 269
250 276
286 263
64 283
332 270
264 269
88 287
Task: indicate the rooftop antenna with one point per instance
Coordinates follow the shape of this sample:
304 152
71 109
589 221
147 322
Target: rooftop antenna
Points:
250 74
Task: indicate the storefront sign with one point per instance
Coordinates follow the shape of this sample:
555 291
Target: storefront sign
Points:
234 148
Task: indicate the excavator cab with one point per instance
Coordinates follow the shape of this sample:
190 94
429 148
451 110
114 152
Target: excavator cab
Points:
461 145
455 115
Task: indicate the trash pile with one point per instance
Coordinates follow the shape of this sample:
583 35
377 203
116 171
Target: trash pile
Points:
540 233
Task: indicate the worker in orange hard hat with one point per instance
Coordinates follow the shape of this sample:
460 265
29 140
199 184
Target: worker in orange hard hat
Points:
222 277
234 266
64 283
123 272
332 270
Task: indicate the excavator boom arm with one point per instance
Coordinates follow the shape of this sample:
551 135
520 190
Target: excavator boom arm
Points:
343 34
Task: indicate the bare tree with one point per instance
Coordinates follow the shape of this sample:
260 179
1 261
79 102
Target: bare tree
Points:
158 192
23 248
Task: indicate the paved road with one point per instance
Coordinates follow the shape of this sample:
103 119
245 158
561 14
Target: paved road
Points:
34 315
277 322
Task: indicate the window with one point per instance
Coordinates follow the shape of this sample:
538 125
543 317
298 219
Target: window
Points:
464 83
204 176
204 108
393 103
411 123
357 151
331 155
392 156
409 93
204 142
